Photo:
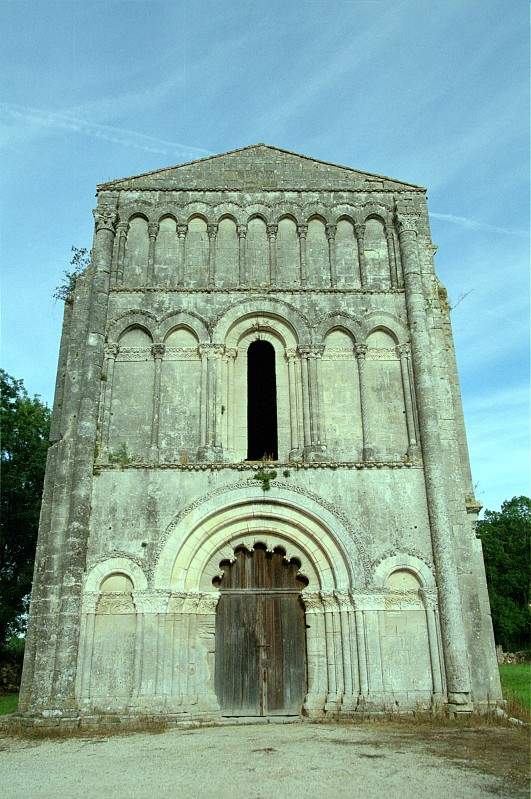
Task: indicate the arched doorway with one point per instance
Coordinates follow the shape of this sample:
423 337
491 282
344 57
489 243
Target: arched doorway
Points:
260 666
262 435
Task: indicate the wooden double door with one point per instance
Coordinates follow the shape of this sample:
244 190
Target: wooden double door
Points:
260 636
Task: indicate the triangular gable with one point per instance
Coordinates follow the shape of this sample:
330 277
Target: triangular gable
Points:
257 167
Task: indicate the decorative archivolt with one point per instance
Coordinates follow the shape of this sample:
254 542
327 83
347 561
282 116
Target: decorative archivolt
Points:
311 524
382 320
402 561
156 329
334 321
187 319
291 211
262 307
133 318
115 564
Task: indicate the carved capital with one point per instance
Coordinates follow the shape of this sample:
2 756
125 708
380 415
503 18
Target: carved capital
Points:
329 601
291 354
359 228
403 350
121 228
429 597
211 350
312 601
343 600
230 353
302 230
111 351
407 223
313 351
151 601
242 231
153 229
272 231
158 350
207 603
212 231
182 231
331 231
105 219
360 351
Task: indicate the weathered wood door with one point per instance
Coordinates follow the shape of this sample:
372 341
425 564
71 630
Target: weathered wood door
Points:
260 636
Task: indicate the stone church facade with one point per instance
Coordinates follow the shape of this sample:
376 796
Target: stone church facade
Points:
258 496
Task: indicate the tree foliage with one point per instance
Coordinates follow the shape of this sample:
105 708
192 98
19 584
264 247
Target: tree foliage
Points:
25 423
506 538
79 262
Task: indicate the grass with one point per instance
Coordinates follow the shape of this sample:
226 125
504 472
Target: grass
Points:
516 682
8 703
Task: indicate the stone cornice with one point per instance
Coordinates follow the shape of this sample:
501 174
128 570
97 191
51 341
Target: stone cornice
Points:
250 290
249 467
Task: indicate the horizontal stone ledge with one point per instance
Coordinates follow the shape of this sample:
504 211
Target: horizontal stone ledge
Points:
256 467
250 289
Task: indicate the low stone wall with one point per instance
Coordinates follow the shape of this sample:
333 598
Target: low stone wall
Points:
512 657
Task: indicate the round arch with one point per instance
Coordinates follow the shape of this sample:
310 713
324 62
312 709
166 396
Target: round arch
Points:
257 307
381 320
299 522
133 318
334 321
115 565
187 319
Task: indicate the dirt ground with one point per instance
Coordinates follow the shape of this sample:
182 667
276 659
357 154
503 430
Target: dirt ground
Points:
314 761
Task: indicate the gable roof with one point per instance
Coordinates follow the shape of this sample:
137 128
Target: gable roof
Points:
257 167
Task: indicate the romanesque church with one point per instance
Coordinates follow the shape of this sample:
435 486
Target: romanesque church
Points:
258 497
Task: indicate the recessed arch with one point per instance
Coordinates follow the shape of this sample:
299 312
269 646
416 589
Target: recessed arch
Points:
338 320
188 319
386 321
133 318
403 561
115 565
262 308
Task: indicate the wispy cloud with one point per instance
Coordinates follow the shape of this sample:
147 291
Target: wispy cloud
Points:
65 121
475 224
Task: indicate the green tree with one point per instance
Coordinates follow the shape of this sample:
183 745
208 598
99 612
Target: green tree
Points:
25 425
506 538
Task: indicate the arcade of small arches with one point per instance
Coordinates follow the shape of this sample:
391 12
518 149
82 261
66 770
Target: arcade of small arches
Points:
259 387
371 634
315 247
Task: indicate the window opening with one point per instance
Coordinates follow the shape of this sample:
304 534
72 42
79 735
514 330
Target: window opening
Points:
262 435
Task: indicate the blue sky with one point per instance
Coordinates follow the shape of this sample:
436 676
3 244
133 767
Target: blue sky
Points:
434 93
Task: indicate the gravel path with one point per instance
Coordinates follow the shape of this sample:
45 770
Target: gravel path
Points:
247 762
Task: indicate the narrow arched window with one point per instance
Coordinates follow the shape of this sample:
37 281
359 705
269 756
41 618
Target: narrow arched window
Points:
262 438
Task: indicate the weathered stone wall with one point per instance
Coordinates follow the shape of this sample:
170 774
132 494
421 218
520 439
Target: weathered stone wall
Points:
148 489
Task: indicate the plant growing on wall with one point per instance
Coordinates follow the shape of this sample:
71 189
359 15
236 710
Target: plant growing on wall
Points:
265 478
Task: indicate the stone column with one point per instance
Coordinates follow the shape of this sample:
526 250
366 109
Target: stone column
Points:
230 356
212 233
413 448
242 272
315 699
153 229
314 446
295 449
302 230
207 700
149 659
121 233
86 643
344 602
391 254
76 529
331 236
452 629
367 446
359 227
181 235
362 652
111 352
335 672
212 450
203 400
157 350
272 236
429 600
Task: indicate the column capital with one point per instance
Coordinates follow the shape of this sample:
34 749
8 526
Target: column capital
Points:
331 231
272 231
230 353
182 230
158 350
121 227
212 230
312 601
429 598
359 228
111 351
311 351
407 223
211 350
360 350
105 219
207 603
343 600
291 354
403 350
302 230
242 231
329 601
153 229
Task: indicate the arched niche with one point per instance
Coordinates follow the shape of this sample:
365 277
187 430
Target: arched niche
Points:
180 389
347 260
288 255
317 255
131 396
166 253
136 252
196 252
257 253
376 253
342 410
227 253
389 435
